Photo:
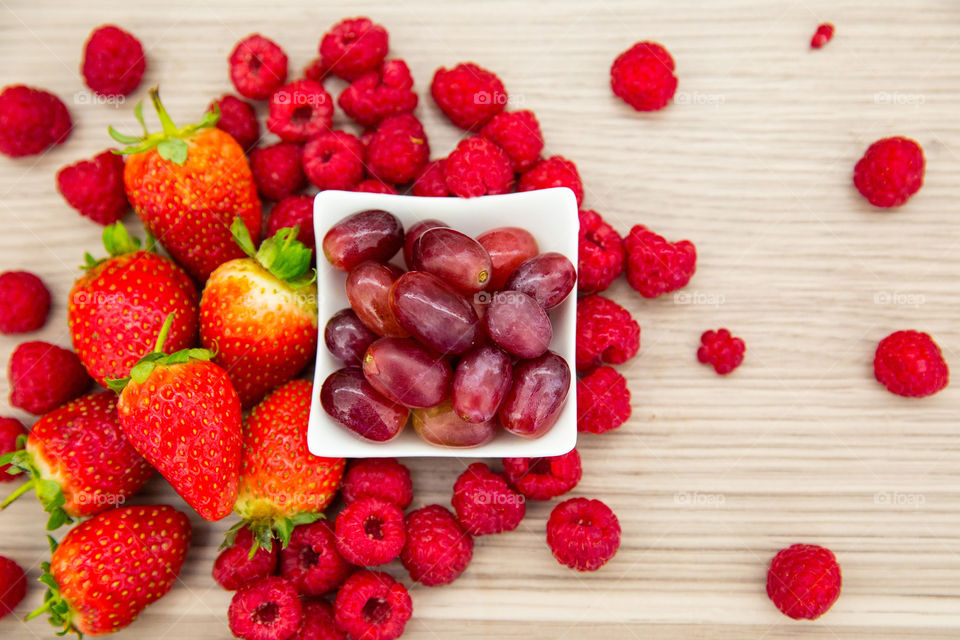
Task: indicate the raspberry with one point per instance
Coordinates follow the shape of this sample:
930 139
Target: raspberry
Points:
822 36
555 171
722 350
468 94
300 110
655 266
113 61
24 302
890 171
381 478
601 253
606 333
378 94
603 401
268 609
95 187
43 376
354 46
478 167
239 119
293 211
517 133
430 182
316 71
13 586
277 170
258 67
10 431
485 503
370 532
544 478
333 160
398 150
804 581
235 568
373 606
642 76
31 120
438 550
372 185
318 623
909 363
311 562
583 534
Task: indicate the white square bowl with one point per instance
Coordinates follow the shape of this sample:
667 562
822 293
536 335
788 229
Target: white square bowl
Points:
549 214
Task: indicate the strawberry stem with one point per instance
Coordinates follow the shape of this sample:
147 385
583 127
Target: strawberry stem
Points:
22 489
164 330
281 254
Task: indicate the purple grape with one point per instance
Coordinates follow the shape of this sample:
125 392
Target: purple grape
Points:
369 235
548 278
536 398
518 324
457 259
406 372
433 312
347 338
349 399
414 234
480 383
441 426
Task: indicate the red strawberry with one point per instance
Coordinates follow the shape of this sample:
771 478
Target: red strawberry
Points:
181 413
187 184
78 460
110 568
259 314
117 307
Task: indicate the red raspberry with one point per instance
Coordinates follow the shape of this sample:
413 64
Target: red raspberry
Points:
277 170
10 431
601 253
438 550
354 46
370 532
890 171
258 67
381 478
517 133
555 171
606 333
311 562
430 182
316 71
804 581
31 120
234 568
478 167
268 609
13 586
398 150
603 401
24 302
239 119
909 363
642 76
43 376
113 61
583 534
655 266
485 503
95 187
293 211
822 36
379 94
300 110
722 350
333 160
371 605
372 185
544 478
318 623
468 94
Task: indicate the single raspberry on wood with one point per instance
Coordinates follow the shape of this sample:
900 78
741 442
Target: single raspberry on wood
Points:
95 187
373 606
44 376
517 133
910 363
642 76
113 61
485 503
603 401
10 431
13 586
24 302
381 478
268 609
258 67
398 149
804 581
333 160
822 36
370 532
606 333
438 550
311 562
300 110
544 478
468 94
380 93
721 350
431 182
235 567
601 253
293 211
354 46
555 171
31 120
655 266
890 171
239 119
277 170
583 534
477 167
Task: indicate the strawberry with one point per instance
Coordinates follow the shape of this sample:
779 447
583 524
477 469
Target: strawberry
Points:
259 314
187 184
78 460
282 484
181 413
117 307
110 568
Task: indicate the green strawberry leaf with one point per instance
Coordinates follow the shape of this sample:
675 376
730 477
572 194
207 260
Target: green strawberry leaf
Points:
287 258
173 150
58 518
123 138
242 237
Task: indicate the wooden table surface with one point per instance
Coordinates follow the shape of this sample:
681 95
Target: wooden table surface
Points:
752 162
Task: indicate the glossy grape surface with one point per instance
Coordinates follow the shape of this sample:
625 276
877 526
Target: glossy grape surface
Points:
413 234
454 257
347 338
368 290
536 398
369 235
433 312
480 383
518 324
548 278
406 372
349 399
507 247
442 426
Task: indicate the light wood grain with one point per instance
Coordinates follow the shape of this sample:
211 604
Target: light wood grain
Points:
753 164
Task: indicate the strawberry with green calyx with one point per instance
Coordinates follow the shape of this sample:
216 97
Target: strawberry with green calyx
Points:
117 307
110 568
282 484
259 313
78 460
187 184
181 413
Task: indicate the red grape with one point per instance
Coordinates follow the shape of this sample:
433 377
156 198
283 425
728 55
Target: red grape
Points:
508 247
369 235
548 278
349 399
456 258
434 312
406 372
440 425
368 290
536 398
346 336
480 383
518 324
415 232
